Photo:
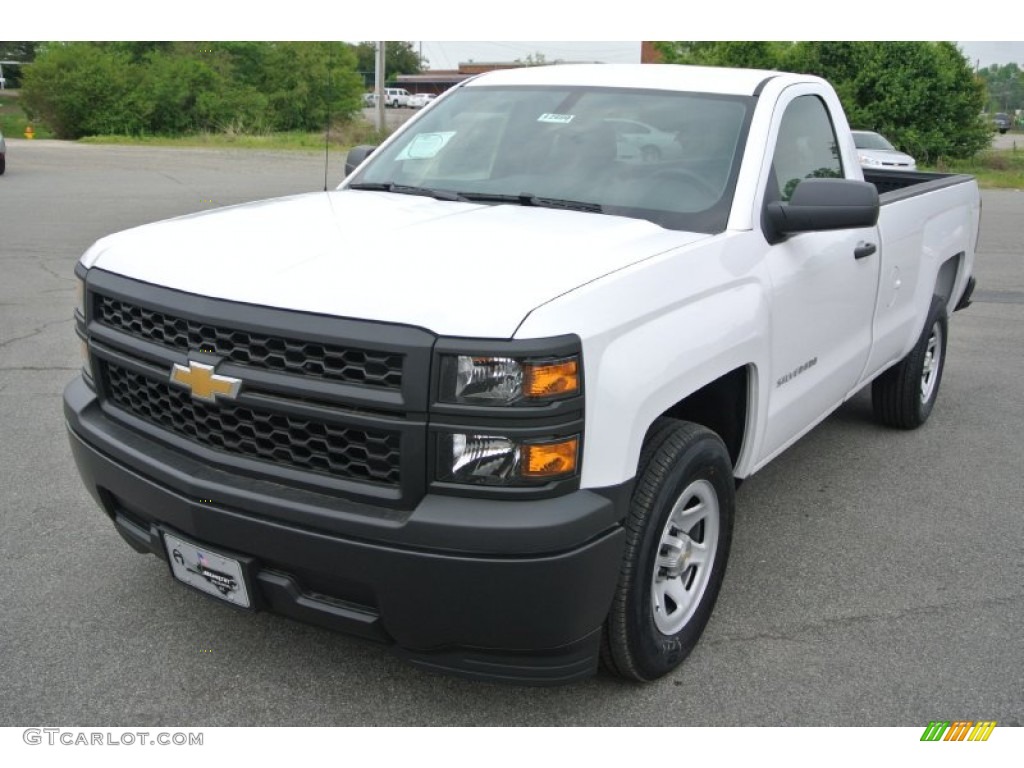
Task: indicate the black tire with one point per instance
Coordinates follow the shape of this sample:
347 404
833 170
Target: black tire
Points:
647 634
3 164
904 395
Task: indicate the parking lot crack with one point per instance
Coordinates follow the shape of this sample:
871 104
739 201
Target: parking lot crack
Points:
63 276
39 368
35 332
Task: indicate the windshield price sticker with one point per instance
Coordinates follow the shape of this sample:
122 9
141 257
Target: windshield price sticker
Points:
550 117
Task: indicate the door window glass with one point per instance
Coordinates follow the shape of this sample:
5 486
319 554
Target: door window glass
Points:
806 147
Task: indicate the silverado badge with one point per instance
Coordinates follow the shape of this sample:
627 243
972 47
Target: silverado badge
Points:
203 383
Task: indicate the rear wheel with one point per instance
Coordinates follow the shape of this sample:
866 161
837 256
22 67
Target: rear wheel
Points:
905 394
678 534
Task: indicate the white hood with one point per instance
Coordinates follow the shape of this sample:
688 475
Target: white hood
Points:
457 269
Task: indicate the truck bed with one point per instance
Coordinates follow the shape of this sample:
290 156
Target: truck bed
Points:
897 185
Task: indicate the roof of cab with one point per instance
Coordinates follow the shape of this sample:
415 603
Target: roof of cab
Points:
672 77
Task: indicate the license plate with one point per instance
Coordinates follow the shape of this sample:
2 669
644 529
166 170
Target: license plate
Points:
206 570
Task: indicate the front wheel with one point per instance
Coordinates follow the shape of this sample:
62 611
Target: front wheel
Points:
678 534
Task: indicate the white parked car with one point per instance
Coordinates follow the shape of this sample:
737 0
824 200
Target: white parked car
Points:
370 99
875 151
643 142
420 100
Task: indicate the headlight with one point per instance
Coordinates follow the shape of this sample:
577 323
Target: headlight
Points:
865 160
476 380
500 460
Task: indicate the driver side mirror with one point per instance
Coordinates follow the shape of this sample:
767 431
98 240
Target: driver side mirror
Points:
356 155
818 205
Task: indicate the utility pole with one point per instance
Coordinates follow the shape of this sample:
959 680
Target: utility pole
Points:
381 124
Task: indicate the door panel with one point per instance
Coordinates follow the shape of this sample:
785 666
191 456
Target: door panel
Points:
823 296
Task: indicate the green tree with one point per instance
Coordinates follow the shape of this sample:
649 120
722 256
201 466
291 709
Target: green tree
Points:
922 95
79 89
307 82
1005 86
754 54
191 87
400 58
23 52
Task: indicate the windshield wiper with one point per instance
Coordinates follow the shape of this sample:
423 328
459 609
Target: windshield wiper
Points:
528 198
402 189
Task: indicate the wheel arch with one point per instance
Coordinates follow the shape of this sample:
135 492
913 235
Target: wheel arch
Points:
946 280
723 406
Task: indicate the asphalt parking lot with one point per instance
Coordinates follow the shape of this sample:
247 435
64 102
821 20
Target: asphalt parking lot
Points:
876 576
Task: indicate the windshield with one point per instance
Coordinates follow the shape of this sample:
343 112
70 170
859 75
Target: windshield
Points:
671 158
868 140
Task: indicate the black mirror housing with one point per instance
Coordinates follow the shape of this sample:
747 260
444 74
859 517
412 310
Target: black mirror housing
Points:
356 155
818 205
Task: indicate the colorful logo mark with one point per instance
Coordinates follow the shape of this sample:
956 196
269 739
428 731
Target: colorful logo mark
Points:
959 730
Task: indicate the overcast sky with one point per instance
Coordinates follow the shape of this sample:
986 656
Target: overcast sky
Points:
467 20
447 55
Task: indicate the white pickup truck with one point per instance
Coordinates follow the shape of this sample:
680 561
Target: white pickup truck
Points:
489 401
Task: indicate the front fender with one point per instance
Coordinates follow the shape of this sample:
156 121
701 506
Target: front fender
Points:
657 332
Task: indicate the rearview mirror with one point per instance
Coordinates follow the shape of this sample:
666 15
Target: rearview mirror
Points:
822 204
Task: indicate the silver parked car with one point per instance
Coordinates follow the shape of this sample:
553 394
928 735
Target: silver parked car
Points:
875 151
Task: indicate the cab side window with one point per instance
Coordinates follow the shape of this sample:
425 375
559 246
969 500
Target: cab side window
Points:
806 148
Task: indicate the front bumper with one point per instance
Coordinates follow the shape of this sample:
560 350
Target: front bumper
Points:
514 590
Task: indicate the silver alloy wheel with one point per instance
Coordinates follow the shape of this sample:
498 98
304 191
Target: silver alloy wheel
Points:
932 361
683 565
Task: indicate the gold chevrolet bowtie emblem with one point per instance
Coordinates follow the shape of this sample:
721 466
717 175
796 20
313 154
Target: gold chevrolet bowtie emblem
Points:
204 383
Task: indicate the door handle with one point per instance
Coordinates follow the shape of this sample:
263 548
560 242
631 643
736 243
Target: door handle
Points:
863 250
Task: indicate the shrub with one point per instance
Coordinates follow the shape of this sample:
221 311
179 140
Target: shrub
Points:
81 89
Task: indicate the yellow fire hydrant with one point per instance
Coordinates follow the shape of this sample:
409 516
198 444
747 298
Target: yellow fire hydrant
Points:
29 133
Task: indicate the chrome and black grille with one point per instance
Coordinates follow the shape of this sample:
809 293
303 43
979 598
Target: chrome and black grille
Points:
261 350
308 444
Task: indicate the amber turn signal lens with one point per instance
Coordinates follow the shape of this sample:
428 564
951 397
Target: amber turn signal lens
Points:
550 459
551 379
